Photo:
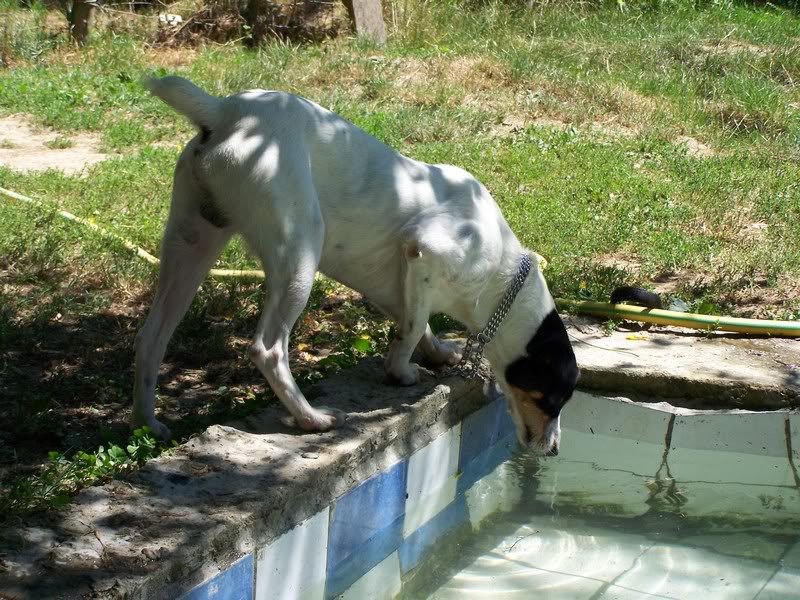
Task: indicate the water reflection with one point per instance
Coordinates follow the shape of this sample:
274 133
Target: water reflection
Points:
575 529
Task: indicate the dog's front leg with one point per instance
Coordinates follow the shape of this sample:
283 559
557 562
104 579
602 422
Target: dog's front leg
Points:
413 325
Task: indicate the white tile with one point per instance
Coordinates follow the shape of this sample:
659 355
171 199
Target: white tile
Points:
544 562
615 417
293 566
490 577
792 558
609 452
585 551
784 585
737 543
748 448
687 464
762 434
794 427
615 592
497 491
430 505
613 433
382 582
774 506
431 479
690 573
589 488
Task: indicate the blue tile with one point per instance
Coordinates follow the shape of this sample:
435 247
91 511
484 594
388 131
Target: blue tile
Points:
485 462
235 583
358 563
483 429
505 424
366 526
414 547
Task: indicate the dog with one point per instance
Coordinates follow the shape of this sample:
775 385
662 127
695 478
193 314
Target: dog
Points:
309 191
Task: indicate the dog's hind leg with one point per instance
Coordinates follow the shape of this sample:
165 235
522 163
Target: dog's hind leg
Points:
290 253
190 246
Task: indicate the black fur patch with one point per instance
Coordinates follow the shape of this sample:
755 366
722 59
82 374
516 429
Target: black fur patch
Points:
549 367
211 212
204 135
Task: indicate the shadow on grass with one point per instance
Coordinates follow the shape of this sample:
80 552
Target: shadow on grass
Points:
66 383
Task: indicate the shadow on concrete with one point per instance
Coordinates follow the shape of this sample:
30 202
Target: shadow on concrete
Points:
229 485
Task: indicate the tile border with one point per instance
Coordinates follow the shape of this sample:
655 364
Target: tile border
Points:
475 447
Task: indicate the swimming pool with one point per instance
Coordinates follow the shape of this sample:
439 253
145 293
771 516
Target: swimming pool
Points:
644 501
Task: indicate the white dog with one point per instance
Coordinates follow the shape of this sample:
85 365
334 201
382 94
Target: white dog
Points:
310 191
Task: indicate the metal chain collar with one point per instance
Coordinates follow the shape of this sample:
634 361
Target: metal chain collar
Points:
469 367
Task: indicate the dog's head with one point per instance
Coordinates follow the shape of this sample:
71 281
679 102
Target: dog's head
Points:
540 383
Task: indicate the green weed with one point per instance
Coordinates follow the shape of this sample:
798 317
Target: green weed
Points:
67 473
60 143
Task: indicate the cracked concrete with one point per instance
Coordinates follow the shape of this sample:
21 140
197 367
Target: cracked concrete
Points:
234 488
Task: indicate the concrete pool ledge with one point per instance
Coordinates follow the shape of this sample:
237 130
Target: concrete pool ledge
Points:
192 514
688 368
211 515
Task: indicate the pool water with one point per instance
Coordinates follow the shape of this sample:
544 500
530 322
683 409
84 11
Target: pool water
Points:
639 504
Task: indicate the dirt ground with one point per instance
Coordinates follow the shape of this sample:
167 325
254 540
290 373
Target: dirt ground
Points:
26 147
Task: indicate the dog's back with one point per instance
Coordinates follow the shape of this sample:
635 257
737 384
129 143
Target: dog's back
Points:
260 151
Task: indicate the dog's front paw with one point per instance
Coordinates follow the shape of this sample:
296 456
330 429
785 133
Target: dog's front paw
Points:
406 375
322 418
157 428
448 353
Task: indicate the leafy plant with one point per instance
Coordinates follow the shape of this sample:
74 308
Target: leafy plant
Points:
66 475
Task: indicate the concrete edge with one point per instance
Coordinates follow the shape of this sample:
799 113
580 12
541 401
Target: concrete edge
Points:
189 515
688 392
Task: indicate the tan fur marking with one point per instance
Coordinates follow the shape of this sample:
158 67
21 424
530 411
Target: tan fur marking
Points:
529 411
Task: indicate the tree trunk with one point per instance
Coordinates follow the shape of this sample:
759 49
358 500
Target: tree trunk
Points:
366 17
80 20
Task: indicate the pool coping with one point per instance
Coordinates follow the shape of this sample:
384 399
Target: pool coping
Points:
189 515
688 368
201 513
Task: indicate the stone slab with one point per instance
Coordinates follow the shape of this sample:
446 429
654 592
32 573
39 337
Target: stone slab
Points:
693 369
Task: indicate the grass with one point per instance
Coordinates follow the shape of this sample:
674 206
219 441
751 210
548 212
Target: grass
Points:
60 143
652 143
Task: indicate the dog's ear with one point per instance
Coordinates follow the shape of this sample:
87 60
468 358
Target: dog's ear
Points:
549 371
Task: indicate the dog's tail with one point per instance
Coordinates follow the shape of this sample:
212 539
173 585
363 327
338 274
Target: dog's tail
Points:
185 97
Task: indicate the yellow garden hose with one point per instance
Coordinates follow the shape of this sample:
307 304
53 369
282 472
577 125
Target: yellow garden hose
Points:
140 252
601 309
681 319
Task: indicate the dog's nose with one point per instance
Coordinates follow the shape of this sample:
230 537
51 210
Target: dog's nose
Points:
553 451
